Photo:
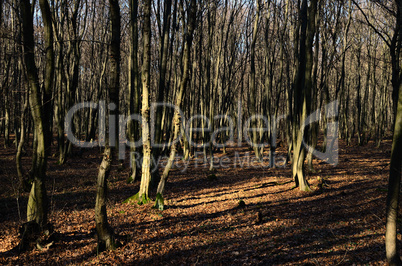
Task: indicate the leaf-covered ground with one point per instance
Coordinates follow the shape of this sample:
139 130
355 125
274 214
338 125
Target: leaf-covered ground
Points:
342 224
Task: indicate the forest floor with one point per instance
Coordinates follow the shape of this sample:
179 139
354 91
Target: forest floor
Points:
342 224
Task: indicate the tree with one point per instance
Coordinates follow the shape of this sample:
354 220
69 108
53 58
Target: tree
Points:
163 50
37 203
70 78
146 83
253 90
49 72
303 87
396 154
133 86
191 18
106 239
393 189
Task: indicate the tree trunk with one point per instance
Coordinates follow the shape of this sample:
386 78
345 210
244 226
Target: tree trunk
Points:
106 240
73 78
176 118
37 204
393 189
134 89
303 88
391 239
164 45
23 183
146 82
253 90
49 73
6 114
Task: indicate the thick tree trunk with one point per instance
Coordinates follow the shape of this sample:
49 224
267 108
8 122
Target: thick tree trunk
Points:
303 88
391 239
393 189
37 204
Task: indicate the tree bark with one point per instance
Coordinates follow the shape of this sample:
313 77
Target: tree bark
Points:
106 239
22 180
146 82
37 210
159 204
391 239
162 75
302 93
393 189
253 90
134 88
49 73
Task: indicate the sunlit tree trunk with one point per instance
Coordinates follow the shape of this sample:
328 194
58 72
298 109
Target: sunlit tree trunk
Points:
302 95
146 82
191 17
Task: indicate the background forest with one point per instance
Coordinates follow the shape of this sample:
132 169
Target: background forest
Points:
215 65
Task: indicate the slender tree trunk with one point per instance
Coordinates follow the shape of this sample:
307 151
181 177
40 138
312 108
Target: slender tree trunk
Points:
176 118
22 180
59 106
6 114
106 240
253 90
208 87
72 85
134 89
314 127
146 83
